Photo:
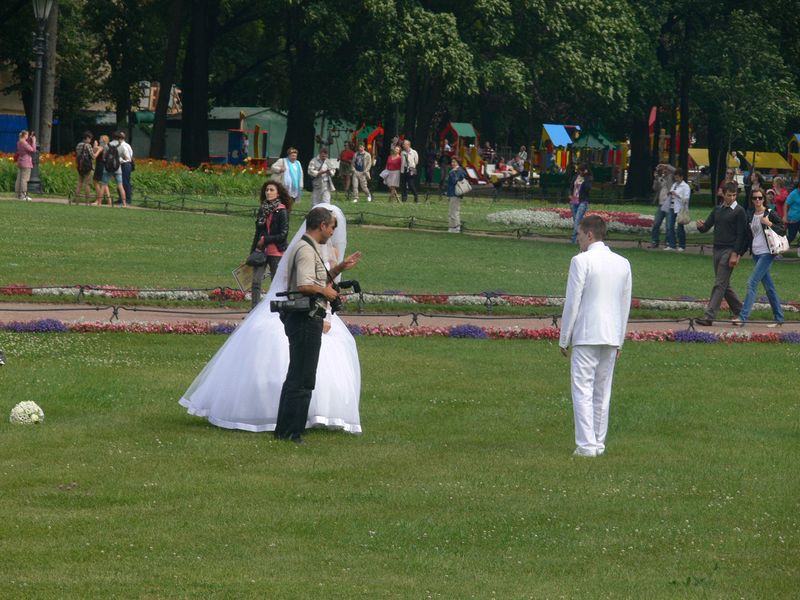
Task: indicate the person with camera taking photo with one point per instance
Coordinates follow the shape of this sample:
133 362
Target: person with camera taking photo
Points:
309 277
240 387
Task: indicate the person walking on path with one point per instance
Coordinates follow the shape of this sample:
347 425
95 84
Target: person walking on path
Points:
288 171
455 175
408 171
321 172
362 163
580 187
760 218
84 164
126 165
26 148
678 196
793 213
730 241
662 182
593 323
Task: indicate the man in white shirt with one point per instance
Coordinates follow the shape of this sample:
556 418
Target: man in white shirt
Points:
593 322
126 164
321 170
408 170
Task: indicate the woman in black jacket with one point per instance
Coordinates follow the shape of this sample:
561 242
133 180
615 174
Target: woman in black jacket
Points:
272 229
760 218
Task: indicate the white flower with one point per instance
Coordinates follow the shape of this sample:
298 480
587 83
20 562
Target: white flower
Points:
26 412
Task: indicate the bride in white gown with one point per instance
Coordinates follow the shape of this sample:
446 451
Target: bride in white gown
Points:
240 387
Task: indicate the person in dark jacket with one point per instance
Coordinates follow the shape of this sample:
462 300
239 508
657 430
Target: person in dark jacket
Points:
760 218
455 175
730 242
272 229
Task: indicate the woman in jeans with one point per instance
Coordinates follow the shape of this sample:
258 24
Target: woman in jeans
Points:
579 197
760 218
26 148
272 229
455 175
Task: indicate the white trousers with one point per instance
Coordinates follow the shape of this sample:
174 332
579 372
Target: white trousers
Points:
454 218
592 369
320 195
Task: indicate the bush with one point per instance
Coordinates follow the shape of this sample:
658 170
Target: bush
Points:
59 177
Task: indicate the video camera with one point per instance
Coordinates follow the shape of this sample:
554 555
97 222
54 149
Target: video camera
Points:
336 305
309 303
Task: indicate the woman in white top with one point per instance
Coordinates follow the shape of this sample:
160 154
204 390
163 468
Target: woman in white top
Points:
240 387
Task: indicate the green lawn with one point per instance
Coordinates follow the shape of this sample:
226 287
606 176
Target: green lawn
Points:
462 485
59 245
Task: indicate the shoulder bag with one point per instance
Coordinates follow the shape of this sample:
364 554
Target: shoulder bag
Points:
683 218
463 187
777 244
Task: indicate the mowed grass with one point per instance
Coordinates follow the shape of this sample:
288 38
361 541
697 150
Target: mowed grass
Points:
67 245
462 486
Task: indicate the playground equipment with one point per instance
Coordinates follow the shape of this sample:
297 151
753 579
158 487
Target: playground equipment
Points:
555 146
794 156
604 156
367 134
465 142
240 148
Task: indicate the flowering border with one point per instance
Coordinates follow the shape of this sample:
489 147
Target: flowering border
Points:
486 299
456 331
561 218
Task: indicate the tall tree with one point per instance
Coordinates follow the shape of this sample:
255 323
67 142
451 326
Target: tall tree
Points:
174 31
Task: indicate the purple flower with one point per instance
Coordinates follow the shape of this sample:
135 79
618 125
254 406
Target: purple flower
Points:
468 331
791 337
223 328
355 329
696 337
41 326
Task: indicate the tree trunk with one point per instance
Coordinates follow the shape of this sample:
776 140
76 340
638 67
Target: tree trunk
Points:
49 81
194 129
717 155
158 142
639 182
683 158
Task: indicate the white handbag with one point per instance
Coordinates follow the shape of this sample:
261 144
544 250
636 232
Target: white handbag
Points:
463 187
777 244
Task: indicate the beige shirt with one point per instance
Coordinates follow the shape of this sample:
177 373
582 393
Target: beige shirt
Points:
306 267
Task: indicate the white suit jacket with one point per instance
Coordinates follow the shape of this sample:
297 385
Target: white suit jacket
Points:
598 299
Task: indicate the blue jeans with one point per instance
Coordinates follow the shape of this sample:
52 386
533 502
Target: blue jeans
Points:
761 275
578 210
793 227
655 233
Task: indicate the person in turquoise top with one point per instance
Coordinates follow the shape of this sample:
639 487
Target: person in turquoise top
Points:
289 172
793 213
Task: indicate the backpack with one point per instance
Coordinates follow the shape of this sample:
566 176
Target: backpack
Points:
84 161
111 159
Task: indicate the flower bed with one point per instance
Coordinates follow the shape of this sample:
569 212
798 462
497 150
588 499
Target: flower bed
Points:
456 331
561 218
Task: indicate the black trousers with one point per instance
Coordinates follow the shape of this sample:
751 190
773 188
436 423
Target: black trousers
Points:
407 182
305 340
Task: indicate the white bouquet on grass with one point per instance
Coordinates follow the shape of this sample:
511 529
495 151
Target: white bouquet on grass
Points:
26 413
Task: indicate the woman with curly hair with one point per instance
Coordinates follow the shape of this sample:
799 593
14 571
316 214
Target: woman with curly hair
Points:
272 229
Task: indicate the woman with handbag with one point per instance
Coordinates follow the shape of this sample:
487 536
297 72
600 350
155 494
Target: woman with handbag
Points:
272 229
454 194
579 187
679 195
761 220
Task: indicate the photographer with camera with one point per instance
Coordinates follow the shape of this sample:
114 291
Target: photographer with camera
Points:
303 322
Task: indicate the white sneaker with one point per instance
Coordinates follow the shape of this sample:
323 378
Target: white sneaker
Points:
775 324
369 198
681 249
668 249
356 200
582 452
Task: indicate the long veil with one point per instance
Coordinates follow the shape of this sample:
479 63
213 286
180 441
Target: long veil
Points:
239 388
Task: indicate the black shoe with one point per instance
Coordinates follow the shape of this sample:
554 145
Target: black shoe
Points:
298 440
704 322
651 245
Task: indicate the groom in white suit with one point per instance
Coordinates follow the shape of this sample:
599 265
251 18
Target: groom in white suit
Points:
593 322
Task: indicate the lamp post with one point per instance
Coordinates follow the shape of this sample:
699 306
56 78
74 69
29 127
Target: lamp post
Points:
41 10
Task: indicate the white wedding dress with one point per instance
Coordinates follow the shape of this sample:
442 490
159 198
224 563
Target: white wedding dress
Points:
240 387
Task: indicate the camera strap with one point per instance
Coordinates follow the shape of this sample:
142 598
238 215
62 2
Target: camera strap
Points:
308 241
